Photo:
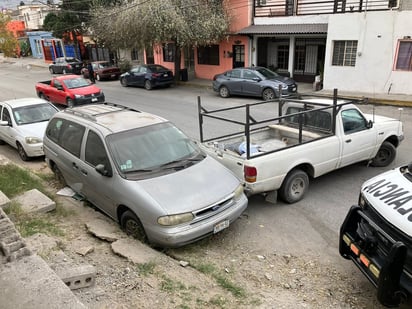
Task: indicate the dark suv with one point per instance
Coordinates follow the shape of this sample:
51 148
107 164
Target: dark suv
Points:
66 65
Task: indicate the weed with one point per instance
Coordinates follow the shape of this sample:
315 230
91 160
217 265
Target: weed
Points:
170 286
28 226
146 269
15 180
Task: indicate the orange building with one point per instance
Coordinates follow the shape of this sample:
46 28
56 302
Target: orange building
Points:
17 28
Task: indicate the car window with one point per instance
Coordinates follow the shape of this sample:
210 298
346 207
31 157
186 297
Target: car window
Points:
353 121
267 73
54 128
71 137
233 74
57 84
135 70
95 153
247 74
33 114
6 115
143 70
318 120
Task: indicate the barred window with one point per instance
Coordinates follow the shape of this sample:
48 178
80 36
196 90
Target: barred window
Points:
403 60
208 55
169 52
344 53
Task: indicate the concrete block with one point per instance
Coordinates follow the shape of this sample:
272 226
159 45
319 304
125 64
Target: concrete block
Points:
34 201
4 200
78 277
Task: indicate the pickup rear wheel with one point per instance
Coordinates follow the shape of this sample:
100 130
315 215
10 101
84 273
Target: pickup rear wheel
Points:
386 154
132 226
294 186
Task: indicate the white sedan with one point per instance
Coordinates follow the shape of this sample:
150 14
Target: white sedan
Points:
23 123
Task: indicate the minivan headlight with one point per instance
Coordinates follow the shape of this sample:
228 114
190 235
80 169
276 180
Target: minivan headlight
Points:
33 140
175 219
238 192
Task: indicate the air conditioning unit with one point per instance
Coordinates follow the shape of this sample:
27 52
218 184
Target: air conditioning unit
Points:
393 4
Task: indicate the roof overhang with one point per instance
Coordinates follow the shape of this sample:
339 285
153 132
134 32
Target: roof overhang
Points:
285 29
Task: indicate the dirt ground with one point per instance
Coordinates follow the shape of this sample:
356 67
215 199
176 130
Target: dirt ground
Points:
217 272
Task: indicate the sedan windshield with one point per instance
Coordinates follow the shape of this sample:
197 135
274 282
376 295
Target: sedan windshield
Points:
34 113
76 83
268 74
153 148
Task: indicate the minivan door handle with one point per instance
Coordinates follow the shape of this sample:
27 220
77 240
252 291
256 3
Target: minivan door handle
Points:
75 165
84 172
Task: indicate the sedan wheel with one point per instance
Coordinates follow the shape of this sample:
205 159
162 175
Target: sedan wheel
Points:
148 85
123 82
132 226
51 70
268 94
98 77
22 152
224 92
64 71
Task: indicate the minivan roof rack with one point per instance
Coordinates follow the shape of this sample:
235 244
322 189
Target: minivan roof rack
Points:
92 113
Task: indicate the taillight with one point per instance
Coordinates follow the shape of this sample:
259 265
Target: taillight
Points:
250 173
156 75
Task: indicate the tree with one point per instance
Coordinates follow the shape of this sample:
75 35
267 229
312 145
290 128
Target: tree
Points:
8 43
144 24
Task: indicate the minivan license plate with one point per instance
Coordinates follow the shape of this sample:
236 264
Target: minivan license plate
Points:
221 226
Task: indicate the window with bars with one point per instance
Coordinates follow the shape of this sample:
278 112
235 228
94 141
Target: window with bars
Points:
403 59
344 53
283 57
169 52
208 55
134 54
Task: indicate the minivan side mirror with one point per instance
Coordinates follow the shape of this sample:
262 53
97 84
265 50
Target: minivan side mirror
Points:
101 169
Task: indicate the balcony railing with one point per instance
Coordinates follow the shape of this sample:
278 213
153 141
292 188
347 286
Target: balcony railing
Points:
271 8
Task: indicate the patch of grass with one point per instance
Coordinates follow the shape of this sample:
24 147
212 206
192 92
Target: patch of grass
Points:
218 301
146 269
15 180
221 279
32 225
170 286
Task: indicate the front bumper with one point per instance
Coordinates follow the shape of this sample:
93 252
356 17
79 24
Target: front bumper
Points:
378 256
90 99
34 150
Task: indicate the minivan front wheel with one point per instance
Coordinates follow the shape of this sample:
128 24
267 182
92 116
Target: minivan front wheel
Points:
131 224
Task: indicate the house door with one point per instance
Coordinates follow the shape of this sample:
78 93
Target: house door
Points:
238 56
149 56
189 56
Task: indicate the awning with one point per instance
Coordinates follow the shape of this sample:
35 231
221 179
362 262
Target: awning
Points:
286 29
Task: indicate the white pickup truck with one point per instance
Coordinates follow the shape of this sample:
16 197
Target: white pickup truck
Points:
305 139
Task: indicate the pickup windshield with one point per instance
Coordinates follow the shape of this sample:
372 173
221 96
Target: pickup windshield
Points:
77 82
156 148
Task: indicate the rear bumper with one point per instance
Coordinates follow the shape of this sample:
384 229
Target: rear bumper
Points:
385 270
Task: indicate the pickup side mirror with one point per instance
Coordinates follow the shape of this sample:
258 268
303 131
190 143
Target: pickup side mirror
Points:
4 123
101 169
370 124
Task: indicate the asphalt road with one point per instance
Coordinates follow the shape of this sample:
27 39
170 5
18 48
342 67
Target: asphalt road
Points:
309 227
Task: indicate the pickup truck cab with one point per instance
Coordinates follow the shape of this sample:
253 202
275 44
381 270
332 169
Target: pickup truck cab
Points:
308 138
69 90
377 235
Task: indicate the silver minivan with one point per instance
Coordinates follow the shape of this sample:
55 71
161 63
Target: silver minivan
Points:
144 172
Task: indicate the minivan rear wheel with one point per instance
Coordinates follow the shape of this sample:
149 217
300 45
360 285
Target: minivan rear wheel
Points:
58 175
131 224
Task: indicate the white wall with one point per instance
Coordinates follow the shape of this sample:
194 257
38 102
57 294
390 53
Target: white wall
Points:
377 34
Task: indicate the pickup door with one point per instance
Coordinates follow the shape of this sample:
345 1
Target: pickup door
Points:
55 93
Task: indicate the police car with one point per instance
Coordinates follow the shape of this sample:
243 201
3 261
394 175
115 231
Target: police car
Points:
377 235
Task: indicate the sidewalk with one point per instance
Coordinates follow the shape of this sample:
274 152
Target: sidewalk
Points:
303 88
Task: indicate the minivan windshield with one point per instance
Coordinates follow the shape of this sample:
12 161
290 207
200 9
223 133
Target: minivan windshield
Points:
154 148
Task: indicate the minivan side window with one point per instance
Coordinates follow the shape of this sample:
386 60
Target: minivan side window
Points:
95 153
71 136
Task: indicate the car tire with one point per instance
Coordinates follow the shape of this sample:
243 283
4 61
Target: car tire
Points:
58 175
41 96
123 82
51 70
224 92
268 94
70 102
2 142
64 71
97 77
148 85
22 152
132 226
385 155
294 186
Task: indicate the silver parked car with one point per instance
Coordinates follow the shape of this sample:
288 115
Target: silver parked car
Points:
253 81
22 125
143 172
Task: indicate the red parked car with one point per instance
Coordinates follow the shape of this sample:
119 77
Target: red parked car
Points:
102 70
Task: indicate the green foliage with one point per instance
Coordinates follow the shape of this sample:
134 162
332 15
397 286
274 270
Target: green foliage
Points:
146 269
15 180
8 43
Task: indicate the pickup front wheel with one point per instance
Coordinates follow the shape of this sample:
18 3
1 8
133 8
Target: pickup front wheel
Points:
386 154
294 186
70 102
